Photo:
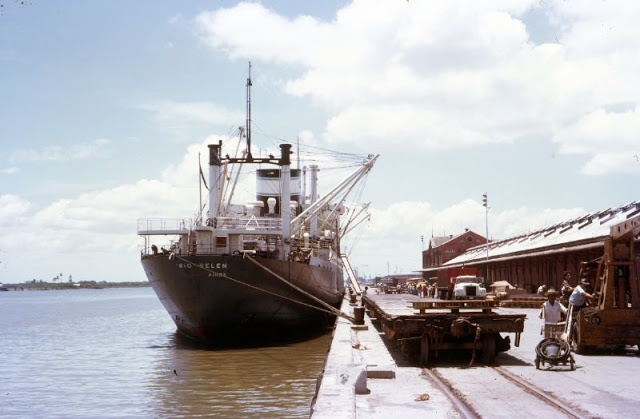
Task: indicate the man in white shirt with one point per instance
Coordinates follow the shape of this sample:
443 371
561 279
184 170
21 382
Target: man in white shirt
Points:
552 311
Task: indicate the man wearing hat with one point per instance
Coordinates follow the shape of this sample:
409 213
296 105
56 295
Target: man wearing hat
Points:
552 310
580 296
566 289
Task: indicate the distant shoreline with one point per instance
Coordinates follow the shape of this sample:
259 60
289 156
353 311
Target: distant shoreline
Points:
49 286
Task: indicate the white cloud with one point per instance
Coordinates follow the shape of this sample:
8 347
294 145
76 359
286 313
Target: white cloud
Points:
69 232
10 170
376 125
524 220
81 151
266 35
609 162
618 130
609 138
450 74
12 209
169 111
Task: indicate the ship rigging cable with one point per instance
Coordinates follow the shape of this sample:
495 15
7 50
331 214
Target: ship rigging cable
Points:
300 290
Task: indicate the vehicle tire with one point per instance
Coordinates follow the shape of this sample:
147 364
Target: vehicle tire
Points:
489 348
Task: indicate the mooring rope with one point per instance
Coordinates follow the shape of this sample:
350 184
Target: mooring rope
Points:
300 290
333 310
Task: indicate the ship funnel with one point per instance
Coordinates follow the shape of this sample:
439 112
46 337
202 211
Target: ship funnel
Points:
214 179
285 195
314 197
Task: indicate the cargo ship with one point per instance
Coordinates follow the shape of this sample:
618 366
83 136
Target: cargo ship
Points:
270 267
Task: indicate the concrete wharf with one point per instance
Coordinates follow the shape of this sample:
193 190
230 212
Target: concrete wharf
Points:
366 375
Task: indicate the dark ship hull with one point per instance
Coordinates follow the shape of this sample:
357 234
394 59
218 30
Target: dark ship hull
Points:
227 298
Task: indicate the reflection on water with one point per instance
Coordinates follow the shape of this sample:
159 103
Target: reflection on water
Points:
114 353
268 381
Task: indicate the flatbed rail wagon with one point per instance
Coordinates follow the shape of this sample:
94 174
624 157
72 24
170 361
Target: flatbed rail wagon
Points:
423 328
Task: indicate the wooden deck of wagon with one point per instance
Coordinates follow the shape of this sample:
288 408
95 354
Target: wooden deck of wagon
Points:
424 327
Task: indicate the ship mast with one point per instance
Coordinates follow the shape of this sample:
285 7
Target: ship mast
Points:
249 156
284 161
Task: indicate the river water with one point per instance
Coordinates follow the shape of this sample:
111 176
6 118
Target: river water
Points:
114 353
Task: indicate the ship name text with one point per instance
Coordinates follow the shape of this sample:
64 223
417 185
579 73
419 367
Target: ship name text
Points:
218 266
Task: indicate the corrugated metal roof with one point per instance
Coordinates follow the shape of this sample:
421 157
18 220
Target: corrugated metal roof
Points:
588 230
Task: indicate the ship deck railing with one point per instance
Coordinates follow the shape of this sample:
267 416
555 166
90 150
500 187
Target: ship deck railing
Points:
238 225
246 223
149 226
267 250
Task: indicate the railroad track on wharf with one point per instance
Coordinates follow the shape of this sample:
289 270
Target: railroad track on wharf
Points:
496 392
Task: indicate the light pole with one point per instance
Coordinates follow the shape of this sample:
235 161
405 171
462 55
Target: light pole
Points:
485 204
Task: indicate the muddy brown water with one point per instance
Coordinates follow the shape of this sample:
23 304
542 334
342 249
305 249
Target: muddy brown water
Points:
115 353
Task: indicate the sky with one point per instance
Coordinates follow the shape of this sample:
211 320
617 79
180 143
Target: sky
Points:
106 105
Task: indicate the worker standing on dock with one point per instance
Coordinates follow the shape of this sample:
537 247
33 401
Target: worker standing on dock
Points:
552 311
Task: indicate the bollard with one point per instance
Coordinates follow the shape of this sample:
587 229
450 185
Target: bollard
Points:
352 298
358 313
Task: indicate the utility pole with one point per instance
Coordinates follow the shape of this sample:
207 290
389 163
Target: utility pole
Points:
485 204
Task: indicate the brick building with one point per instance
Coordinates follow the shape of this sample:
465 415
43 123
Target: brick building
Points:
443 249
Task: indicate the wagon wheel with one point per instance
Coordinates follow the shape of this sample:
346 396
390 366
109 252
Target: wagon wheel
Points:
489 348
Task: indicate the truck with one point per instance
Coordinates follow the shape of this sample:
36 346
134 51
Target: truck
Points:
446 280
614 316
469 287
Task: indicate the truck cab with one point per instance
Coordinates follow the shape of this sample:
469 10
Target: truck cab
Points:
469 287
